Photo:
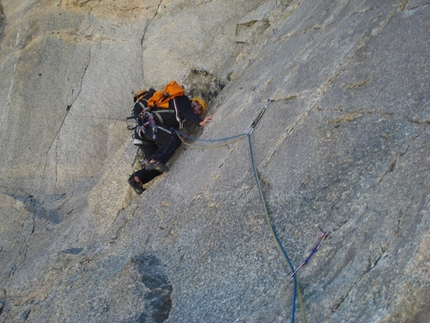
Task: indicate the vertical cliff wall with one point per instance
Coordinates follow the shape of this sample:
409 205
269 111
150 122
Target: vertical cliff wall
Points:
343 146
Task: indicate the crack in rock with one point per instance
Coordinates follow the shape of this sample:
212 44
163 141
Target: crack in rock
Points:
150 20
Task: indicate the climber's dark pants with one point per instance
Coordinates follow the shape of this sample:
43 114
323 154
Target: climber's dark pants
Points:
160 148
165 138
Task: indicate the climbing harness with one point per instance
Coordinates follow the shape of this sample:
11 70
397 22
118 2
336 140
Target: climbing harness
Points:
321 239
148 121
146 118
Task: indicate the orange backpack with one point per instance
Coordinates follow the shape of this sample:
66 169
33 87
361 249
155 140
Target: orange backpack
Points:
160 99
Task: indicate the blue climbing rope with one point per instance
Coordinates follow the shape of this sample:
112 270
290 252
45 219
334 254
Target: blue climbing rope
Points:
296 293
278 242
272 230
225 141
209 140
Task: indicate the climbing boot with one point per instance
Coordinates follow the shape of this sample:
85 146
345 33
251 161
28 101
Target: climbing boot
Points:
136 185
162 168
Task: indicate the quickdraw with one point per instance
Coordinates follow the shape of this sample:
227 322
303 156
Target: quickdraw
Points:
149 117
320 240
257 120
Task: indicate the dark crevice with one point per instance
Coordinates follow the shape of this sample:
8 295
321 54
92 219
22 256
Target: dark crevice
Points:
150 20
418 6
416 121
403 5
69 106
389 169
371 264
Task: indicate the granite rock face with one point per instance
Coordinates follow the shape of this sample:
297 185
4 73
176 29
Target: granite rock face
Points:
343 147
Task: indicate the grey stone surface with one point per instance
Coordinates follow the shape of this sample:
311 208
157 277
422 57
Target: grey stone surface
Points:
344 147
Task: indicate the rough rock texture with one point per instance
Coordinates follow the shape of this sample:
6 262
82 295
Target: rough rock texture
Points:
344 146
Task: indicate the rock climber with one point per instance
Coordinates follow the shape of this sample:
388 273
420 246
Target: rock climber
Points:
157 138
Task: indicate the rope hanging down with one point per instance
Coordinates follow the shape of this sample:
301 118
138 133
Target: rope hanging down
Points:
297 292
228 140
